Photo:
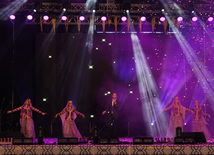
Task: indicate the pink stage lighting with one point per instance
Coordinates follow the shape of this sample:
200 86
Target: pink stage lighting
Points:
194 19
45 17
81 18
103 18
210 19
162 19
64 18
29 17
124 18
180 19
143 19
12 17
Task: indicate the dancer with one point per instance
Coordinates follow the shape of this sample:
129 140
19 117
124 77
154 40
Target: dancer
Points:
26 119
113 110
199 123
68 115
177 117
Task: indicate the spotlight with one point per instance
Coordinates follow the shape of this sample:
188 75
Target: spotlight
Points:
124 18
94 11
162 19
34 10
194 19
127 11
162 10
12 17
64 18
64 9
29 17
45 17
81 18
143 18
180 19
210 19
193 11
103 18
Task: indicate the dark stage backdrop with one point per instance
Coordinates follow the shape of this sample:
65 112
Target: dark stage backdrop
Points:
66 75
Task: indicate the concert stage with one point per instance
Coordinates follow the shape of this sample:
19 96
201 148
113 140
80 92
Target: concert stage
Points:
89 148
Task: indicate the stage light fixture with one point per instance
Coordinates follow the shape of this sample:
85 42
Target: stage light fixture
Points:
180 19
210 19
81 18
44 99
103 18
46 17
194 19
94 11
91 116
64 9
90 67
29 17
143 18
12 17
34 10
162 19
124 18
64 18
127 11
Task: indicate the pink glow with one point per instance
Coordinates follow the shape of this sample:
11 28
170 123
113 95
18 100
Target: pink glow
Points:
64 18
103 18
194 19
180 19
12 17
81 18
143 19
30 17
124 18
162 19
45 17
210 19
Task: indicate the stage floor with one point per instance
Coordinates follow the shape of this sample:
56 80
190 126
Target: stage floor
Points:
51 147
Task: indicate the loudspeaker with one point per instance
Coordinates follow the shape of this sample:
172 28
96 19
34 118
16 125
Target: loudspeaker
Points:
182 140
22 141
197 136
71 141
108 141
143 140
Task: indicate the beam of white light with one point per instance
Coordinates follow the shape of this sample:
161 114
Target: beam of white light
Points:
12 8
147 86
90 4
203 75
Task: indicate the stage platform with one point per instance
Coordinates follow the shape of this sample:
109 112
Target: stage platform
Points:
117 149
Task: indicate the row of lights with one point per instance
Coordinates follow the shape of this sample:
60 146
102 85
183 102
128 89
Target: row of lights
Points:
104 18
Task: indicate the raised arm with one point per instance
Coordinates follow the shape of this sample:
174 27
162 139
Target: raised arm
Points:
60 113
79 113
37 110
167 108
203 113
14 110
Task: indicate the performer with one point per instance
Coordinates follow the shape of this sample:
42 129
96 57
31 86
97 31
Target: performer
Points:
177 117
113 111
199 123
68 115
26 121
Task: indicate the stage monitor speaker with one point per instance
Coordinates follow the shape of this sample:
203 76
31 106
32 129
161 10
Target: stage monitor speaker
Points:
143 140
108 140
22 141
70 141
103 141
197 136
182 140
